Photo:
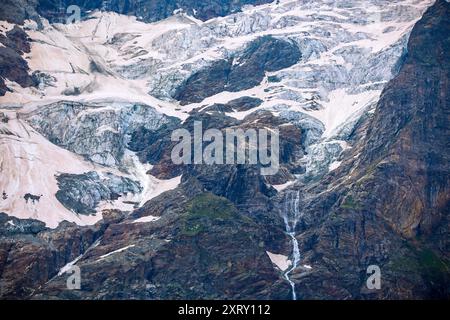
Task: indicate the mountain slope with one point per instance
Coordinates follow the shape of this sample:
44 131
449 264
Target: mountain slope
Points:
361 103
390 205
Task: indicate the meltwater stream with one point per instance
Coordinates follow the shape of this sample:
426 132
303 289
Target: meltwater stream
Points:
291 215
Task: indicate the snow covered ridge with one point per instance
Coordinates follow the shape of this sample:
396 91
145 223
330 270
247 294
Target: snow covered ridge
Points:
349 50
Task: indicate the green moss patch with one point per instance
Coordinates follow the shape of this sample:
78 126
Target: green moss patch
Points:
205 210
351 203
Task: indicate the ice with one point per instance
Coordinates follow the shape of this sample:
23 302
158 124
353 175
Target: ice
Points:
335 165
348 55
69 265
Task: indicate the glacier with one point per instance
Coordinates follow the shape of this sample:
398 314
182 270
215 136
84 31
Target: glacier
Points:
108 74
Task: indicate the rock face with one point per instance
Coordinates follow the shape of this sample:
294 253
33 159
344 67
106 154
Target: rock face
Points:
413 116
147 10
154 10
137 257
392 209
37 253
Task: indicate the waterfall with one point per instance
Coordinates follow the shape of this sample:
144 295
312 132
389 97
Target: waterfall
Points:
291 215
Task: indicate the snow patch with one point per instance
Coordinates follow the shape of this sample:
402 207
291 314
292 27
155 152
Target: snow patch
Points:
68 266
116 251
281 187
335 165
281 261
147 219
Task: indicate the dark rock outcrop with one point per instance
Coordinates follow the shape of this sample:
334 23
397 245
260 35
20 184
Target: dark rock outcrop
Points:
225 211
12 64
241 72
37 253
152 10
16 11
155 146
201 247
389 206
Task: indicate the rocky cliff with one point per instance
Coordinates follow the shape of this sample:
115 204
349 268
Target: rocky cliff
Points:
388 205
148 10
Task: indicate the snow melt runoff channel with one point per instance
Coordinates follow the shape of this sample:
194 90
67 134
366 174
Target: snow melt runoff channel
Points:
291 215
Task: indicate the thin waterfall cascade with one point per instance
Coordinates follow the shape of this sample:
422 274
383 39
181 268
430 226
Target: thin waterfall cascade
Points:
291 216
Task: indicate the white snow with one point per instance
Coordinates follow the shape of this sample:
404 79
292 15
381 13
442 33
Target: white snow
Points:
153 187
69 265
30 163
177 46
334 165
281 261
104 128
11 223
147 219
117 251
160 186
341 107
